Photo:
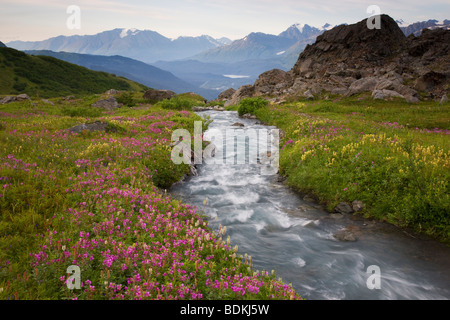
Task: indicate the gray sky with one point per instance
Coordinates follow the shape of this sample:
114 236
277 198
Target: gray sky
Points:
39 20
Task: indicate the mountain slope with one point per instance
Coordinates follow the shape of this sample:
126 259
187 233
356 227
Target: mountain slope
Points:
147 46
131 69
256 45
284 48
2 45
50 77
417 27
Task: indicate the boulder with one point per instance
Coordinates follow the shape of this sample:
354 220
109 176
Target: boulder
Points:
158 95
246 91
48 102
238 124
111 92
343 208
444 99
308 95
95 126
385 94
357 205
362 85
193 170
272 82
227 94
7 99
20 97
218 108
107 104
346 235
201 109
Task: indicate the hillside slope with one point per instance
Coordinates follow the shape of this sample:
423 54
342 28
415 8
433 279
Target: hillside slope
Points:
48 77
138 71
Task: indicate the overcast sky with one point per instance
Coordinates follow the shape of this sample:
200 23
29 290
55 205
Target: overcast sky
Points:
39 20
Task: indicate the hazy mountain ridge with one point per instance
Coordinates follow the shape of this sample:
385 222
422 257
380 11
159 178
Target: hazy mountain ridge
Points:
417 27
135 70
147 46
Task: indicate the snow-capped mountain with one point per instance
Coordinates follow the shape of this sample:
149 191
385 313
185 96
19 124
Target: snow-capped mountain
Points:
259 45
144 45
304 32
417 27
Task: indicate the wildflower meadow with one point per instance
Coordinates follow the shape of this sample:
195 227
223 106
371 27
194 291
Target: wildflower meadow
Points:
98 201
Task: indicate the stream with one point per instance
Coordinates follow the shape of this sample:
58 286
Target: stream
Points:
294 237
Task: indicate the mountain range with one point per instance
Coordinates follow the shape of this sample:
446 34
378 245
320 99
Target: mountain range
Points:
144 45
416 28
204 63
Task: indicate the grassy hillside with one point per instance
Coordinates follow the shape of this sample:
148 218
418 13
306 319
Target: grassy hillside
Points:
131 69
49 77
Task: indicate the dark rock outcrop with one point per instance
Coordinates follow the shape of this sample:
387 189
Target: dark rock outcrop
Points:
353 59
227 94
241 93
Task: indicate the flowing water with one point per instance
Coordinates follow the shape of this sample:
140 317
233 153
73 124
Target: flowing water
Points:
282 232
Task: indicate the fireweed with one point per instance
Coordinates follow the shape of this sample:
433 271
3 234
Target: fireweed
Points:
90 200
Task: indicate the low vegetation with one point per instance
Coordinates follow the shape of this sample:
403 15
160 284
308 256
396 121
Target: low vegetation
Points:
96 200
392 156
182 102
250 105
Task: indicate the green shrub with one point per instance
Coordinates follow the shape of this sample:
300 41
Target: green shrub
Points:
126 99
178 103
250 105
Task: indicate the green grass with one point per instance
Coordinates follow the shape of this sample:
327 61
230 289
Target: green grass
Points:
97 200
42 76
393 156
